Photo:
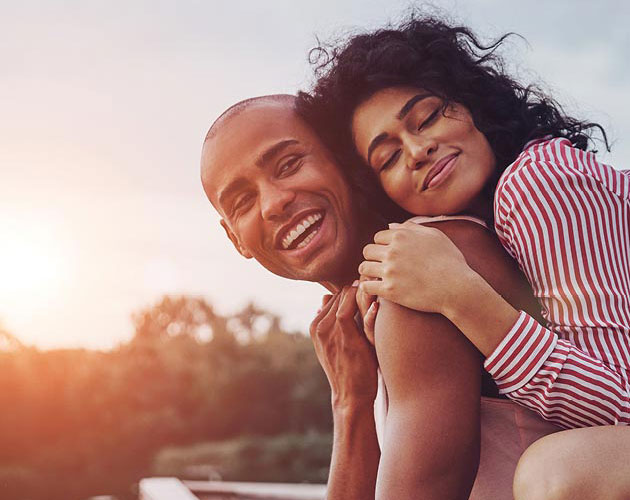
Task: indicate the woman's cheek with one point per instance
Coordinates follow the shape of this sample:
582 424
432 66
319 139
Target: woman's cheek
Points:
396 188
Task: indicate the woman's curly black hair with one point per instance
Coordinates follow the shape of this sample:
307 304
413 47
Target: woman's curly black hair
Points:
445 60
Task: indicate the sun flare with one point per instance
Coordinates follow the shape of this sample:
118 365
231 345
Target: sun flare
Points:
31 264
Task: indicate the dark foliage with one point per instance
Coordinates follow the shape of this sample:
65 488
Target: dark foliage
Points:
77 423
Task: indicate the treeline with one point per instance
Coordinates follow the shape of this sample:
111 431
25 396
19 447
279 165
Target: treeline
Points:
77 423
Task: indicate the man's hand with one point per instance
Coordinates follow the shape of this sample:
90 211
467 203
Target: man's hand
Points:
368 307
344 352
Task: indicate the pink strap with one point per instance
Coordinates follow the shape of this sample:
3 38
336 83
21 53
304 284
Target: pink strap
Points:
422 219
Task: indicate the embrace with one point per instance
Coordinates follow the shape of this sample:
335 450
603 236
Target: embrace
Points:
464 219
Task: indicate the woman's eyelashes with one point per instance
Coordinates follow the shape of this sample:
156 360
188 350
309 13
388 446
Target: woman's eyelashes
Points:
391 160
430 119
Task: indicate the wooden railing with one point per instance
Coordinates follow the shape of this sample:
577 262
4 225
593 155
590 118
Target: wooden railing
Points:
167 488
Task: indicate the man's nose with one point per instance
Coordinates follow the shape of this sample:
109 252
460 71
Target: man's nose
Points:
419 151
274 200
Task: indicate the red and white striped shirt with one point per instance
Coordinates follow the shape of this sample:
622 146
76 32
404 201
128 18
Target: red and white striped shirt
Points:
565 218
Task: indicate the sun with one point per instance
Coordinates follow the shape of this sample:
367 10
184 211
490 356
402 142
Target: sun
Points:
32 264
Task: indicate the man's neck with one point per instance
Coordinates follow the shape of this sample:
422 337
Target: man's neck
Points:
368 227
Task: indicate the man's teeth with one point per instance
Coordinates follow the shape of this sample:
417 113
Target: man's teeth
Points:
299 229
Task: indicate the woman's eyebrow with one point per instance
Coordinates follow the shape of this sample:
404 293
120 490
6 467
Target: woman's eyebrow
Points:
374 144
408 106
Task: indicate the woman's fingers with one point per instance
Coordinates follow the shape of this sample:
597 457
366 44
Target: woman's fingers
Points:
384 237
372 287
371 269
374 252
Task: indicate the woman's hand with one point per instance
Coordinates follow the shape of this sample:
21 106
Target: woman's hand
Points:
345 354
416 266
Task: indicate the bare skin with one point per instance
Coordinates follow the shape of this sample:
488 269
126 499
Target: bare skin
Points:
433 375
578 463
350 364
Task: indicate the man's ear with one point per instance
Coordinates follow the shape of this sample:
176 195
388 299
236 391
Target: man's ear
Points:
235 241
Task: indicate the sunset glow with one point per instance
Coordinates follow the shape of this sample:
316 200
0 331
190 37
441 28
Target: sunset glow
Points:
33 266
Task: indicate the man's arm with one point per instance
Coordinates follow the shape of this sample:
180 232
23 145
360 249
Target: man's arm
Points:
355 455
350 364
432 375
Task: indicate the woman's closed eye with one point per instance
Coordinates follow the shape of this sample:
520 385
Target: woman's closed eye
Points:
391 160
430 119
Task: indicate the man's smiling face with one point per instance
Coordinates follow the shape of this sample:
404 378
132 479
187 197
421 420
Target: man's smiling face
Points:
282 198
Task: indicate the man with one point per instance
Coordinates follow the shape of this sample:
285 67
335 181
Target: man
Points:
285 202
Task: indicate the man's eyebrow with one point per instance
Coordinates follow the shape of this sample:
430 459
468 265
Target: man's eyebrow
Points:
274 150
232 188
408 106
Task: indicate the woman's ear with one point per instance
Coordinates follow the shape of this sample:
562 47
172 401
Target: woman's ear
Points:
235 241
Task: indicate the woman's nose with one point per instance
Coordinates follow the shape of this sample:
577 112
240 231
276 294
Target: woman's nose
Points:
419 151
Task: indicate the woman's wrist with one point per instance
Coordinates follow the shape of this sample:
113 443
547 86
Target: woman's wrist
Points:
461 295
480 312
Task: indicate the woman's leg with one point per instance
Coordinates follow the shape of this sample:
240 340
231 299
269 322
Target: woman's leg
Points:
590 463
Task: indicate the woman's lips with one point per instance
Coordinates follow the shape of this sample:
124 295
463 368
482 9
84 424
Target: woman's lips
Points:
440 172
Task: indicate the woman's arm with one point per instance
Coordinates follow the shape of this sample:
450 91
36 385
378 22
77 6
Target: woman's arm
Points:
422 268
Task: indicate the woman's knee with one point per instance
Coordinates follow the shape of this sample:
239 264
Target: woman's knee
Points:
543 474
590 463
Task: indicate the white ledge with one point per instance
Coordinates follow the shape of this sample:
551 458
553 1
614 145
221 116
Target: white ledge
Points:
274 491
164 488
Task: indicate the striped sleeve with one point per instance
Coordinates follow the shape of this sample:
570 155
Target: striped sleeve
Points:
563 218
535 368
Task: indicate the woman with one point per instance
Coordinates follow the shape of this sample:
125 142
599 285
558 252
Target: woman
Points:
431 110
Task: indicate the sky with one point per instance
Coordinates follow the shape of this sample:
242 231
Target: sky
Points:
103 108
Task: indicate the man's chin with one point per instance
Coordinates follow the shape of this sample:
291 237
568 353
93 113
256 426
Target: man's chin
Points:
321 267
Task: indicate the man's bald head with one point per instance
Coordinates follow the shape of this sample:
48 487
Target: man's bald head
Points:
238 108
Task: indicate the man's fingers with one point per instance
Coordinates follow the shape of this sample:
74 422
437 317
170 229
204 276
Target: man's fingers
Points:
364 301
371 269
369 320
325 299
348 303
374 252
384 237
324 316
